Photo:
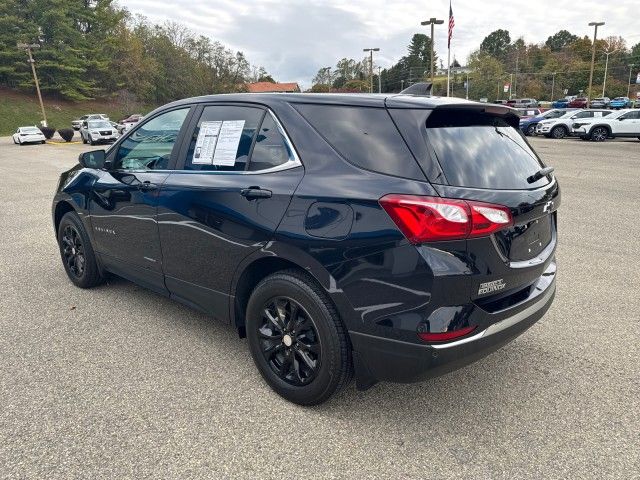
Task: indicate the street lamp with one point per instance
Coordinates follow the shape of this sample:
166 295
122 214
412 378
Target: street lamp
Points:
28 47
432 21
606 66
371 50
629 85
595 26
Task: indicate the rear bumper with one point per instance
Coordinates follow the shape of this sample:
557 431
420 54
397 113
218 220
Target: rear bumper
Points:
385 359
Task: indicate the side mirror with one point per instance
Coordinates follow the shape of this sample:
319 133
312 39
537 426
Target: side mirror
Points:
94 159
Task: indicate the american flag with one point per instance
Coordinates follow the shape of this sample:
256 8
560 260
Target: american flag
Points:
452 24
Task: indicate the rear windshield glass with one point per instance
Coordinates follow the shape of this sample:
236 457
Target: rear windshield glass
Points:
364 136
482 151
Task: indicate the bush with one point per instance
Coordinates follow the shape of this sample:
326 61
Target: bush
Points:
66 134
47 132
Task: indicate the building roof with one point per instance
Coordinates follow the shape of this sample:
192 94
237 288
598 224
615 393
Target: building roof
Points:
266 87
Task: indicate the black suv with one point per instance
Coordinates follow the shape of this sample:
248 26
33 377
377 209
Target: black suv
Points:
394 237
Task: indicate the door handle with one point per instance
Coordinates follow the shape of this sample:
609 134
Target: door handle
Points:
147 186
255 192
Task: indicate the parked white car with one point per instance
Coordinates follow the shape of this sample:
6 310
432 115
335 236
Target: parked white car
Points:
624 123
561 127
26 135
97 131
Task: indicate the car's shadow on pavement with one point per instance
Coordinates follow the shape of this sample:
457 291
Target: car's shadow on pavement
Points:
474 396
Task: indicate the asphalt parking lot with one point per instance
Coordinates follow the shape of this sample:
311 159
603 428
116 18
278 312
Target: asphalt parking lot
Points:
118 382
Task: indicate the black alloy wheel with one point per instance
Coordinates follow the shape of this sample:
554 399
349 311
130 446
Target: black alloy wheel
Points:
297 339
599 134
73 251
76 252
289 341
531 130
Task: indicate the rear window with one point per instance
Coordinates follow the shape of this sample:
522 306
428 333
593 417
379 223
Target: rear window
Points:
481 151
364 136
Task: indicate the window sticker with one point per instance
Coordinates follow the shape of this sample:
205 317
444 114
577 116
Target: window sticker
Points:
597 114
228 141
206 143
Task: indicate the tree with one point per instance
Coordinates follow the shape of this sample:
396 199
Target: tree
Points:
496 44
560 40
487 76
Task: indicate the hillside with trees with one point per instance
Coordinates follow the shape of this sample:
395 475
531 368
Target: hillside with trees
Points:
95 49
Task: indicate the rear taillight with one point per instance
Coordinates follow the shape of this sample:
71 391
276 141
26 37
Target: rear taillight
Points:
432 219
445 336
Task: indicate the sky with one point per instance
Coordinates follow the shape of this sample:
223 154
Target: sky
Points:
292 39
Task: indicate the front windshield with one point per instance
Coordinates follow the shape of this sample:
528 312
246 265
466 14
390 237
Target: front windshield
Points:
568 114
99 125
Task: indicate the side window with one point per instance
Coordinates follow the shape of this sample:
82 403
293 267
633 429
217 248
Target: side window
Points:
150 146
630 116
223 138
584 114
270 149
364 136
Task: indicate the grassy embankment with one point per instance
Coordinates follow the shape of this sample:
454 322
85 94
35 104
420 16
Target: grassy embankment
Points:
20 109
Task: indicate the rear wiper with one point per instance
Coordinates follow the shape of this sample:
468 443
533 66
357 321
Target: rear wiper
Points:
539 174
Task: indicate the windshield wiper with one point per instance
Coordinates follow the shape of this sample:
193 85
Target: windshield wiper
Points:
539 174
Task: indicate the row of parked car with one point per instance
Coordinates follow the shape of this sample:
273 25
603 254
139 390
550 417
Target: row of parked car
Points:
94 128
600 102
97 127
573 102
588 124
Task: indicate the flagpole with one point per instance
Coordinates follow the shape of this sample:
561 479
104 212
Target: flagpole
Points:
448 69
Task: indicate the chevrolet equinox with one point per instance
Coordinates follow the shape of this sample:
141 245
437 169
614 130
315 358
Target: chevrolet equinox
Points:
389 237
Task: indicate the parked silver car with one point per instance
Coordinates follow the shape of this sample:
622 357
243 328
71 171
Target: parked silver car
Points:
77 123
98 131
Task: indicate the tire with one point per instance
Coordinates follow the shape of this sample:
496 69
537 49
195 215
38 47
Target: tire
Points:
559 132
14 141
91 142
599 134
43 141
84 140
531 130
76 252
305 361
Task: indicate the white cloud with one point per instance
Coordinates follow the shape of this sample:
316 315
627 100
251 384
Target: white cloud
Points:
292 39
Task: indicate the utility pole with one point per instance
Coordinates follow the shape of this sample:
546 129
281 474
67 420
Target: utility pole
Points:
515 86
553 84
432 21
629 84
401 85
595 26
379 79
467 95
371 50
28 47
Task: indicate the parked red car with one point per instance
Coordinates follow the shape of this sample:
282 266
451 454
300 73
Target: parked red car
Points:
580 102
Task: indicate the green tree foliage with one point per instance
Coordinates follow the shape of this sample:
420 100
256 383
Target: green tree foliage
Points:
560 40
92 48
497 44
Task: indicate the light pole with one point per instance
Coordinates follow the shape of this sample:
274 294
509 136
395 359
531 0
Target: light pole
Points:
28 48
606 66
553 84
629 84
432 21
379 79
595 26
371 50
